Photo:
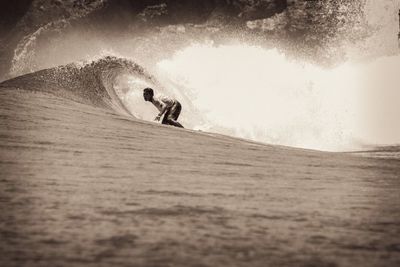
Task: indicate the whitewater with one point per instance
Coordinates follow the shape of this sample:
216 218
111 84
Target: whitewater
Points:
261 94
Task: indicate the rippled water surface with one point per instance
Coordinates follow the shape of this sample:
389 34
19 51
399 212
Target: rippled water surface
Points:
84 186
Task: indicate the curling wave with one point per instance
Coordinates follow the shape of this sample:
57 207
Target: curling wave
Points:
92 83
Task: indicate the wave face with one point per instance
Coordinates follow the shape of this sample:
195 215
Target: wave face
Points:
91 83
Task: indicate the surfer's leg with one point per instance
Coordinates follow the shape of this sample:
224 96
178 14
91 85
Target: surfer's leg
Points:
173 115
174 123
176 111
165 119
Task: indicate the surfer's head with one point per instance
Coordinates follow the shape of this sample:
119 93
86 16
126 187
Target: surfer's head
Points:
148 94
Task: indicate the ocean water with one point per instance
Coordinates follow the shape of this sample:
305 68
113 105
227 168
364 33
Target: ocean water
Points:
86 184
87 179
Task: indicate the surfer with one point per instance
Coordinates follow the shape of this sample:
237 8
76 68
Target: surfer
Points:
167 106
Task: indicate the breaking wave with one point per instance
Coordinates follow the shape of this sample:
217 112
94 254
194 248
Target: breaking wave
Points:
91 83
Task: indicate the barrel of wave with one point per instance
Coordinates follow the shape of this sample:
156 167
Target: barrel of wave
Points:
88 83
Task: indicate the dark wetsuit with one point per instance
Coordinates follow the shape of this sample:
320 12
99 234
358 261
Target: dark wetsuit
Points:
172 113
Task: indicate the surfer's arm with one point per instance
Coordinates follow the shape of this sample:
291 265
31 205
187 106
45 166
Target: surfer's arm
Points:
163 109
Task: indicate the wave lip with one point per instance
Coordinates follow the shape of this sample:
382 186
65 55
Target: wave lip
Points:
91 83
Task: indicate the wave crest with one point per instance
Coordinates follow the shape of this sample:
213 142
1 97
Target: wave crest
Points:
91 83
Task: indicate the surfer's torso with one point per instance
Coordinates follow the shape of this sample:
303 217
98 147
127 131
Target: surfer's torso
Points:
161 100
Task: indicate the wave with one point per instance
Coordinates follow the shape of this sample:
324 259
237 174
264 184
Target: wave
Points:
91 83
260 94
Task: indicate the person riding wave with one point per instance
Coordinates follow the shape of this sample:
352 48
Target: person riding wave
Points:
169 107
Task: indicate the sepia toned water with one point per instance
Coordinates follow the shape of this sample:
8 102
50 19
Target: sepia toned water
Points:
84 186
